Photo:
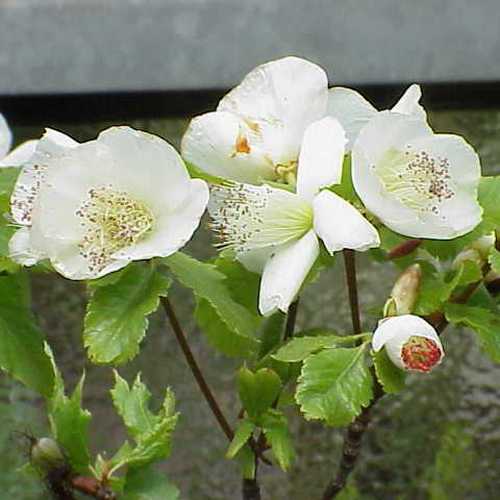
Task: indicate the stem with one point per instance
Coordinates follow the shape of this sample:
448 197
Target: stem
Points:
352 287
290 319
195 369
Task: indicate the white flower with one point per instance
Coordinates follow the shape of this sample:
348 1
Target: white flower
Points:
125 196
257 132
410 342
417 183
353 111
25 193
276 231
20 154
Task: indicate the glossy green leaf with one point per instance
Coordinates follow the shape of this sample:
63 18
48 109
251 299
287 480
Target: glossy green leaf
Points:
241 436
229 325
300 348
484 322
146 483
22 353
258 391
275 427
116 319
334 385
391 378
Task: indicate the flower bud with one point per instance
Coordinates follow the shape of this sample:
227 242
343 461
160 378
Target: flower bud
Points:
477 251
484 244
404 292
411 343
46 454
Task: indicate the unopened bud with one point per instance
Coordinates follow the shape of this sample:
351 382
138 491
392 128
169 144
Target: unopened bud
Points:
404 292
411 343
477 251
485 244
46 454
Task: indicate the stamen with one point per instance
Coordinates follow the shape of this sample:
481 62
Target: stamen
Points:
113 221
420 354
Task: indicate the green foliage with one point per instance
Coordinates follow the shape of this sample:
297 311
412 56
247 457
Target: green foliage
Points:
229 326
22 353
391 378
68 421
116 319
275 427
146 483
334 385
346 188
241 436
494 260
150 431
258 391
271 332
484 322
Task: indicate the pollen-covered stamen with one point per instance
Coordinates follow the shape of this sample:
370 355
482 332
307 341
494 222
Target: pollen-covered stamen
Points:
113 221
287 173
417 179
420 354
248 217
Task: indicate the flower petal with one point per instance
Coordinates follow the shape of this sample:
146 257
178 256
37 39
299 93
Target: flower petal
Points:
351 109
409 104
280 98
5 137
285 272
21 249
20 155
321 157
222 144
340 225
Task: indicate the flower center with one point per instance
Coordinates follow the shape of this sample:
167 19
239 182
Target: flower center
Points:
418 180
248 217
287 173
420 354
112 221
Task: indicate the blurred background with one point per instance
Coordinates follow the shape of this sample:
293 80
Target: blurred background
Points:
82 65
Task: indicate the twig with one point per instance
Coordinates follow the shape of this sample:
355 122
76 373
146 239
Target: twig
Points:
195 369
352 287
290 319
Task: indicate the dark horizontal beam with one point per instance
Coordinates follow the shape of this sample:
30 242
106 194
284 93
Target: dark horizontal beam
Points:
95 107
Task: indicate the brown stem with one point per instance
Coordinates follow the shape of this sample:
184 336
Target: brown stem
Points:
291 319
352 287
195 369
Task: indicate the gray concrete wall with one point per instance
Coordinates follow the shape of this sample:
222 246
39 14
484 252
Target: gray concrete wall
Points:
51 46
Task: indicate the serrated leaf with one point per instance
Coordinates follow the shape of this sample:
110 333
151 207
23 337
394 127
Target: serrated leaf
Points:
229 325
494 260
484 322
241 436
271 333
131 403
69 421
300 348
258 391
391 378
335 385
116 319
145 483
22 353
275 427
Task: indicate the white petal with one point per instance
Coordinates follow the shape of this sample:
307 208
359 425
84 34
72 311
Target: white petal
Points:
21 249
20 155
255 260
394 331
351 109
340 225
285 272
222 144
321 157
5 137
409 103
282 98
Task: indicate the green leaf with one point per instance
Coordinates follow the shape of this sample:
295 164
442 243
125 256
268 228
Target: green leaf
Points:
300 348
485 322
271 333
145 483
8 178
69 421
22 353
230 327
246 459
151 432
391 378
494 260
335 385
258 391
116 319
471 273
241 436
132 405
275 427
346 187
